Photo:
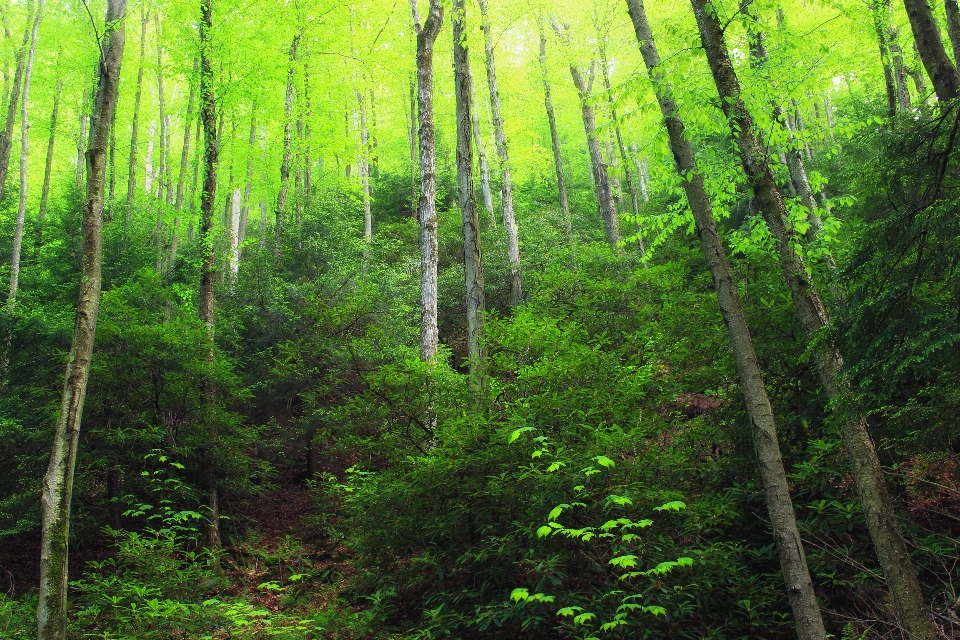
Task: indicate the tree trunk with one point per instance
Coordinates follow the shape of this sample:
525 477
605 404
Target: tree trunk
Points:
427 207
24 152
233 230
413 144
482 162
287 145
248 187
208 266
880 28
808 621
472 261
184 167
601 180
634 200
48 167
554 135
364 171
148 160
132 167
877 506
926 34
6 136
899 70
509 220
162 171
953 27
307 158
57 486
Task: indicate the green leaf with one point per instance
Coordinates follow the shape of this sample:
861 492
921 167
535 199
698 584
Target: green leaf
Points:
519 594
604 461
517 432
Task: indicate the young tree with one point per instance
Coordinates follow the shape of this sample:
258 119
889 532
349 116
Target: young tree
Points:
134 129
427 209
472 260
6 136
57 487
554 135
500 137
184 162
208 265
877 506
48 166
796 575
287 146
24 153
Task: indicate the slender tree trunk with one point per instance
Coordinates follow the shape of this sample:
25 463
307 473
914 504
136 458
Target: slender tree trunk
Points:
427 207
184 167
287 146
554 135
899 70
953 27
132 167
148 160
364 171
263 181
509 219
809 624
162 173
472 261
24 152
641 166
57 486
601 179
880 28
248 187
208 267
48 167
413 144
877 506
482 161
634 200
234 234
307 158
6 136
926 34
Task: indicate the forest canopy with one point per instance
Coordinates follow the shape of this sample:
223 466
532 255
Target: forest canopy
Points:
357 319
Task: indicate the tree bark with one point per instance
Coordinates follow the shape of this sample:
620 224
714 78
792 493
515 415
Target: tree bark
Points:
184 168
248 187
57 486
880 29
953 27
482 162
427 207
554 135
24 152
208 266
364 170
472 260
287 146
926 34
601 179
307 158
48 167
899 69
6 136
808 621
877 506
506 193
132 167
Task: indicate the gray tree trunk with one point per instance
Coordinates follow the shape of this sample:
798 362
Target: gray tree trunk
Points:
287 148
248 187
24 153
6 136
472 259
208 267
427 207
184 167
134 152
926 35
877 506
509 219
601 179
953 27
880 24
48 167
57 486
808 621
554 135
363 165
482 161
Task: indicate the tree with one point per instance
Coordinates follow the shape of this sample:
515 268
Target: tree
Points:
926 34
57 490
554 135
472 260
427 209
878 508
